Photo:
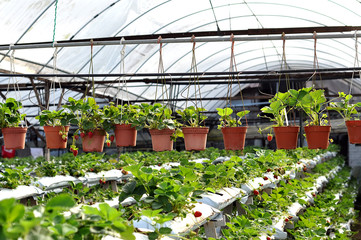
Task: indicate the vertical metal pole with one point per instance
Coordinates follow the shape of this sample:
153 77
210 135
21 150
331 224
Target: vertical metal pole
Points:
47 154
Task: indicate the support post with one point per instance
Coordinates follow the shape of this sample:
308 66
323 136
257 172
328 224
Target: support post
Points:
47 154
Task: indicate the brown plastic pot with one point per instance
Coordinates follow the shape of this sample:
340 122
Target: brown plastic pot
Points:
234 137
53 139
317 136
161 139
286 136
14 137
95 143
125 135
354 131
195 138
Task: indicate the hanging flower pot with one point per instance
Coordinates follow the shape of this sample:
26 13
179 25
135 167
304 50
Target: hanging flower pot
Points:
95 143
55 140
354 131
195 138
14 137
234 137
161 139
125 135
286 136
317 136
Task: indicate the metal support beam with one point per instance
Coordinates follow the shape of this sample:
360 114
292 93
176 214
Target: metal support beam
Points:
310 72
186 37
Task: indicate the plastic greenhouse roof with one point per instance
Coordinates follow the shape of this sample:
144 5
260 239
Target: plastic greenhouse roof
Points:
33 21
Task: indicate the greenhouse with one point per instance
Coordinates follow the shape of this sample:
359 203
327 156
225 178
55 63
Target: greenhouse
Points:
174 119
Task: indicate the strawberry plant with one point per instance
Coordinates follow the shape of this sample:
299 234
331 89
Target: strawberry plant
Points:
313 103
10 115
123 114
226 119
12 178
345 108
192 117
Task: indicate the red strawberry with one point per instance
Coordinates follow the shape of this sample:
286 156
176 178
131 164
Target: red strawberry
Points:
286 220
92 170
290 217
76 137
159 164
82 135
75 152
268 238
261 184
124 172
64 138
265 178
101 181
305 169
255 192
275 176
269 170
108 144
269 137
197 214
314 194
112 138
90 134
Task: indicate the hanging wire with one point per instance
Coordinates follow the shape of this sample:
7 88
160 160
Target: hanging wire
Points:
194 79
356 62
315 61
122 81
284 65
53 83
15 80
91 70
316 66
55 14
233 67
161 70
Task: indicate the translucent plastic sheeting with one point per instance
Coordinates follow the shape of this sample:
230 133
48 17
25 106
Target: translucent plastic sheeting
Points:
33 21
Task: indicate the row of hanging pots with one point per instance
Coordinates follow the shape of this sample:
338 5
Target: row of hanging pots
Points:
125 136
195 138
317 136
286 137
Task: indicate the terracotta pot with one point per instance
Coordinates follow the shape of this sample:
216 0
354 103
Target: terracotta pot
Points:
14 137
286 137
234 137
95 143
354 131
317 136
125 135
161 139
53 139
195 138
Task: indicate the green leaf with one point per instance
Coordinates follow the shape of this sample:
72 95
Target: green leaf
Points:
165 230
62 201
91 210
153 236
